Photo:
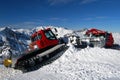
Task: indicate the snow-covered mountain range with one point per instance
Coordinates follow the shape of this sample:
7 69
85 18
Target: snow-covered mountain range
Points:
15 39
75 64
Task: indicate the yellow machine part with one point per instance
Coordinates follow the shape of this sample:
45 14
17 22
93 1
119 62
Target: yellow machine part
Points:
7 62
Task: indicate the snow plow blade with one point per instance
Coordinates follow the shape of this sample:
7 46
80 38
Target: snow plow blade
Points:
38 57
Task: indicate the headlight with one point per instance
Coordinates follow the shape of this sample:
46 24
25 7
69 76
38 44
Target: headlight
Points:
35 47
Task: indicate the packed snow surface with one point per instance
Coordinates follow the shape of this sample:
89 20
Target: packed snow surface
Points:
82 64
75 64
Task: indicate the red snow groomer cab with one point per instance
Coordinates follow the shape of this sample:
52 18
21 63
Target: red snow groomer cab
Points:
99 33
43 39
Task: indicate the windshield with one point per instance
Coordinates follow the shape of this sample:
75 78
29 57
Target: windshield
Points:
49 34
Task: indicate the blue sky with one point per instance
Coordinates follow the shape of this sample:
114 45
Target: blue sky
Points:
73 14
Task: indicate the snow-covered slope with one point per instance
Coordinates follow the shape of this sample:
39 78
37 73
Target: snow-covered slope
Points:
74 64
116 38
82 64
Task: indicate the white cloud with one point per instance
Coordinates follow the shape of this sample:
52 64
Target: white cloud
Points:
55 2
54 18
28 23
88 19
58 19
88 1
101 17
95 18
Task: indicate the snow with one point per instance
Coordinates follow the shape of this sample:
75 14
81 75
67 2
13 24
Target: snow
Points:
75 64
116 38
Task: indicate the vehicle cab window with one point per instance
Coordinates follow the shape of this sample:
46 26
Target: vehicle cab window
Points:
50 35
37 37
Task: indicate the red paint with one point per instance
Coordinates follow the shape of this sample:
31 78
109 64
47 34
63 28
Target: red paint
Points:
44 41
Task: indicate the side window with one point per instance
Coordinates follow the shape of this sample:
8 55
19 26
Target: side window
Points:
36 38
39 36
